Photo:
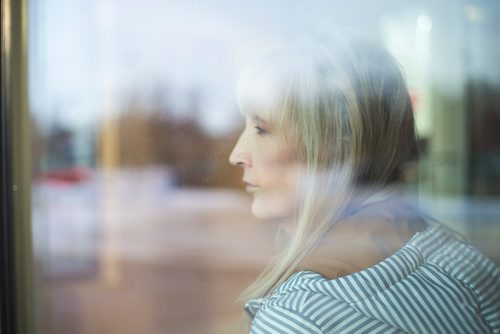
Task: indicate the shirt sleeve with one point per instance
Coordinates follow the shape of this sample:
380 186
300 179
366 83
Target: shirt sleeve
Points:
276 319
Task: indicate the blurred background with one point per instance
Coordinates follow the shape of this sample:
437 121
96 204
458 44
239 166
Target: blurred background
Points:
138 222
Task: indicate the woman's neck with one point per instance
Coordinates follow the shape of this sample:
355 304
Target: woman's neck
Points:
365 238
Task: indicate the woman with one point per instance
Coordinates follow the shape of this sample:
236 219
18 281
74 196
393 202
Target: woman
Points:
328 140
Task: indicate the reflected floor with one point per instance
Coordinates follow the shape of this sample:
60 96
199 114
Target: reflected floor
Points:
129 254
113 260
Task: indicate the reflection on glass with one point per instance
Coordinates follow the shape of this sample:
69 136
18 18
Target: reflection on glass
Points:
140 223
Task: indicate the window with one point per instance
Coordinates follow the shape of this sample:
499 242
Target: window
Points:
118 118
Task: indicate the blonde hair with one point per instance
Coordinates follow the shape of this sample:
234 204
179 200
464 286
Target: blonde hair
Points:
346 103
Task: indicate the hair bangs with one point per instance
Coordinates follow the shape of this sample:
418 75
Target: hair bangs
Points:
268 89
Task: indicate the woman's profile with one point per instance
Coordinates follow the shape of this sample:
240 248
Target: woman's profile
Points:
328 141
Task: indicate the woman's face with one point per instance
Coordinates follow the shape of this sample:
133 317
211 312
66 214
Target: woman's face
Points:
270 168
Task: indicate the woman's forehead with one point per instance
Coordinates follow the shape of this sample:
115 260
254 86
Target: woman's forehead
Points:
263 91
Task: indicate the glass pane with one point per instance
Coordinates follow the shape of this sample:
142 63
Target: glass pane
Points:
141 224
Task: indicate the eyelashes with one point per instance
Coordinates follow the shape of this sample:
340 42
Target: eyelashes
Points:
260 131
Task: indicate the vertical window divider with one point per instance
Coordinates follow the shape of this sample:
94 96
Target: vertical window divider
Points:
16 277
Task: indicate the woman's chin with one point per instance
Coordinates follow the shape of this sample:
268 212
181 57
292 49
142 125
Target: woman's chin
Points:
268 209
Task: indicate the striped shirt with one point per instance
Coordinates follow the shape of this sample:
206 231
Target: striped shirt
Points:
433 284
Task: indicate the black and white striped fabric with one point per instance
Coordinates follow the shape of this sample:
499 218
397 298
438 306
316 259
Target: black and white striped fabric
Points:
434 284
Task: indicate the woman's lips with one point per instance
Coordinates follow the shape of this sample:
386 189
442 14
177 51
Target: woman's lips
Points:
250 187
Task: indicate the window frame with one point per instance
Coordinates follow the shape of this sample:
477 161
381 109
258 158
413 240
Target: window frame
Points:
16 256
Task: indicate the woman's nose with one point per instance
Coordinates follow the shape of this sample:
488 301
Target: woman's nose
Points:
240 156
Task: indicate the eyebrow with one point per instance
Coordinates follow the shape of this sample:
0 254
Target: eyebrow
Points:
257 118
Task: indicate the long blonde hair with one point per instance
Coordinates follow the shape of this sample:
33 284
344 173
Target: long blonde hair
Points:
346 103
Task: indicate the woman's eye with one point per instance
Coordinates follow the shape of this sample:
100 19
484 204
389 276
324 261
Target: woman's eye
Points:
260 131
